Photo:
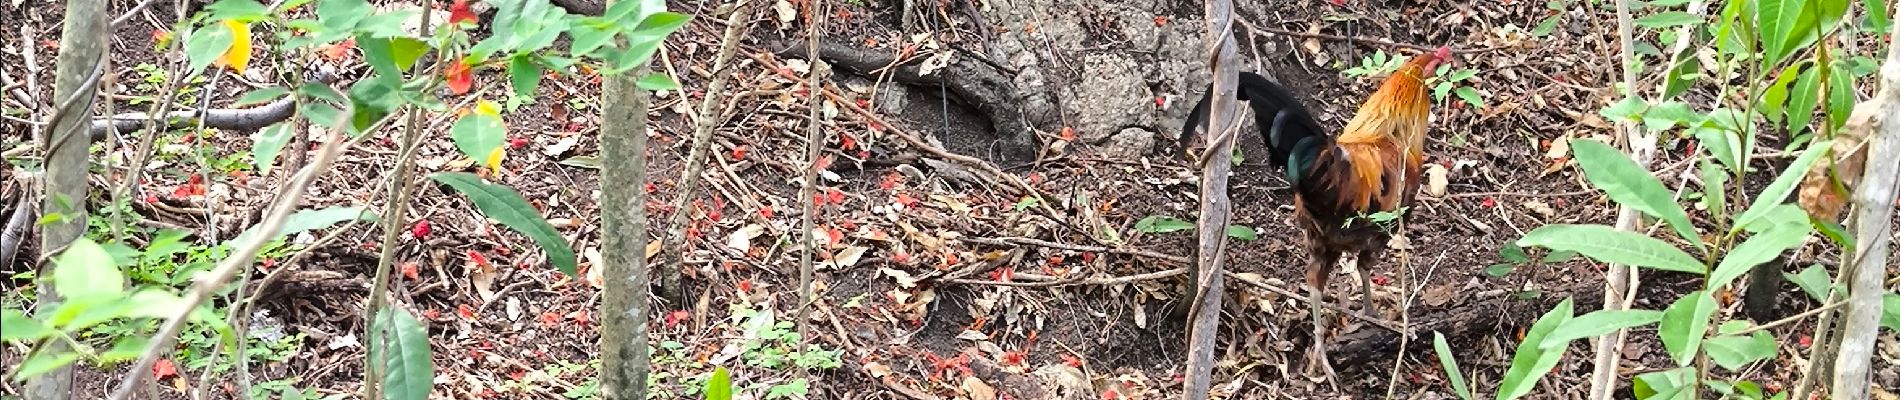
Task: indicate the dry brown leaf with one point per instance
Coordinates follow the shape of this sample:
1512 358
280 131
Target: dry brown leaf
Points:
1847 157
847 257
977 389
483 277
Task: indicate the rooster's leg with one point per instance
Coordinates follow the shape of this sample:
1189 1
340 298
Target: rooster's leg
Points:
1318 269
1364 265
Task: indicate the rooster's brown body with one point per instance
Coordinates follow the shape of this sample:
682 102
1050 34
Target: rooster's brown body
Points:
1340 181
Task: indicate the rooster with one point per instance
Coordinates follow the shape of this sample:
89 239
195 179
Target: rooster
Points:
1341 181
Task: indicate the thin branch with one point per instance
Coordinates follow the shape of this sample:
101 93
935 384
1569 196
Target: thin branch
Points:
1620 282
813 140
674 243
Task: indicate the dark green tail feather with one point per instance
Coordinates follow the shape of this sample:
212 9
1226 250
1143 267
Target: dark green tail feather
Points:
1292 137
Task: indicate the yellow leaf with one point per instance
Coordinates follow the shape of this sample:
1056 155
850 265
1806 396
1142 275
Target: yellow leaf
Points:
487 107
495 157
238 55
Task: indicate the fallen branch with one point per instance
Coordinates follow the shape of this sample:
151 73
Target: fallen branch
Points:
1381 42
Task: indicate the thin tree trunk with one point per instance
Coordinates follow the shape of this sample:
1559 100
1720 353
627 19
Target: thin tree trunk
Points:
814 142
1619 284
1872 224
623 198
1204 315
674 242
82 49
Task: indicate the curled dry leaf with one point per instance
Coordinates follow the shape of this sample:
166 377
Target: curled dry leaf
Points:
847 257
594 267
1820 196
785 11
1436 180
1542 209
741 239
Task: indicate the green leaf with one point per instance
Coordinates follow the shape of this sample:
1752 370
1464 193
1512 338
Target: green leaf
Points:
241 10
1779 20
1669 114
1161 224
1774 98
1877 15
1802 100
1598 323
1736 351
1665 385
125 348
267 143
1513 254
1812 280
1890 318
1450 364
307 220
719 386
84 269
1668 19
1470 96
1606 244
261 96
42 362
503 204
408 368
1631 185
1531 362
661 24
525 75
1628 109
1783 184
1714 187
1683 325
590 34
1840 94
1759 248
1499 269
390 57
477 134
657 81
1241 232
16 326
205 44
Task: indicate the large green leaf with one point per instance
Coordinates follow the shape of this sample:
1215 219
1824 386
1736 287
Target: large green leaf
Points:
1783 184
1779 22
16 326
1733 351
205 44
1803 98
1758 249
308 220
1606 244
408 367
478 134
85 269
1840 93
1531 361
505 205
1631 185
1877 15
267 143
719 386
1812 280
1684 324
41 362
1598 323
1450 364
525 75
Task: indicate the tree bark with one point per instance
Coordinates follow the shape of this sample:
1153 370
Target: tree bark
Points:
1872 224
1204 314
624 314
82 47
